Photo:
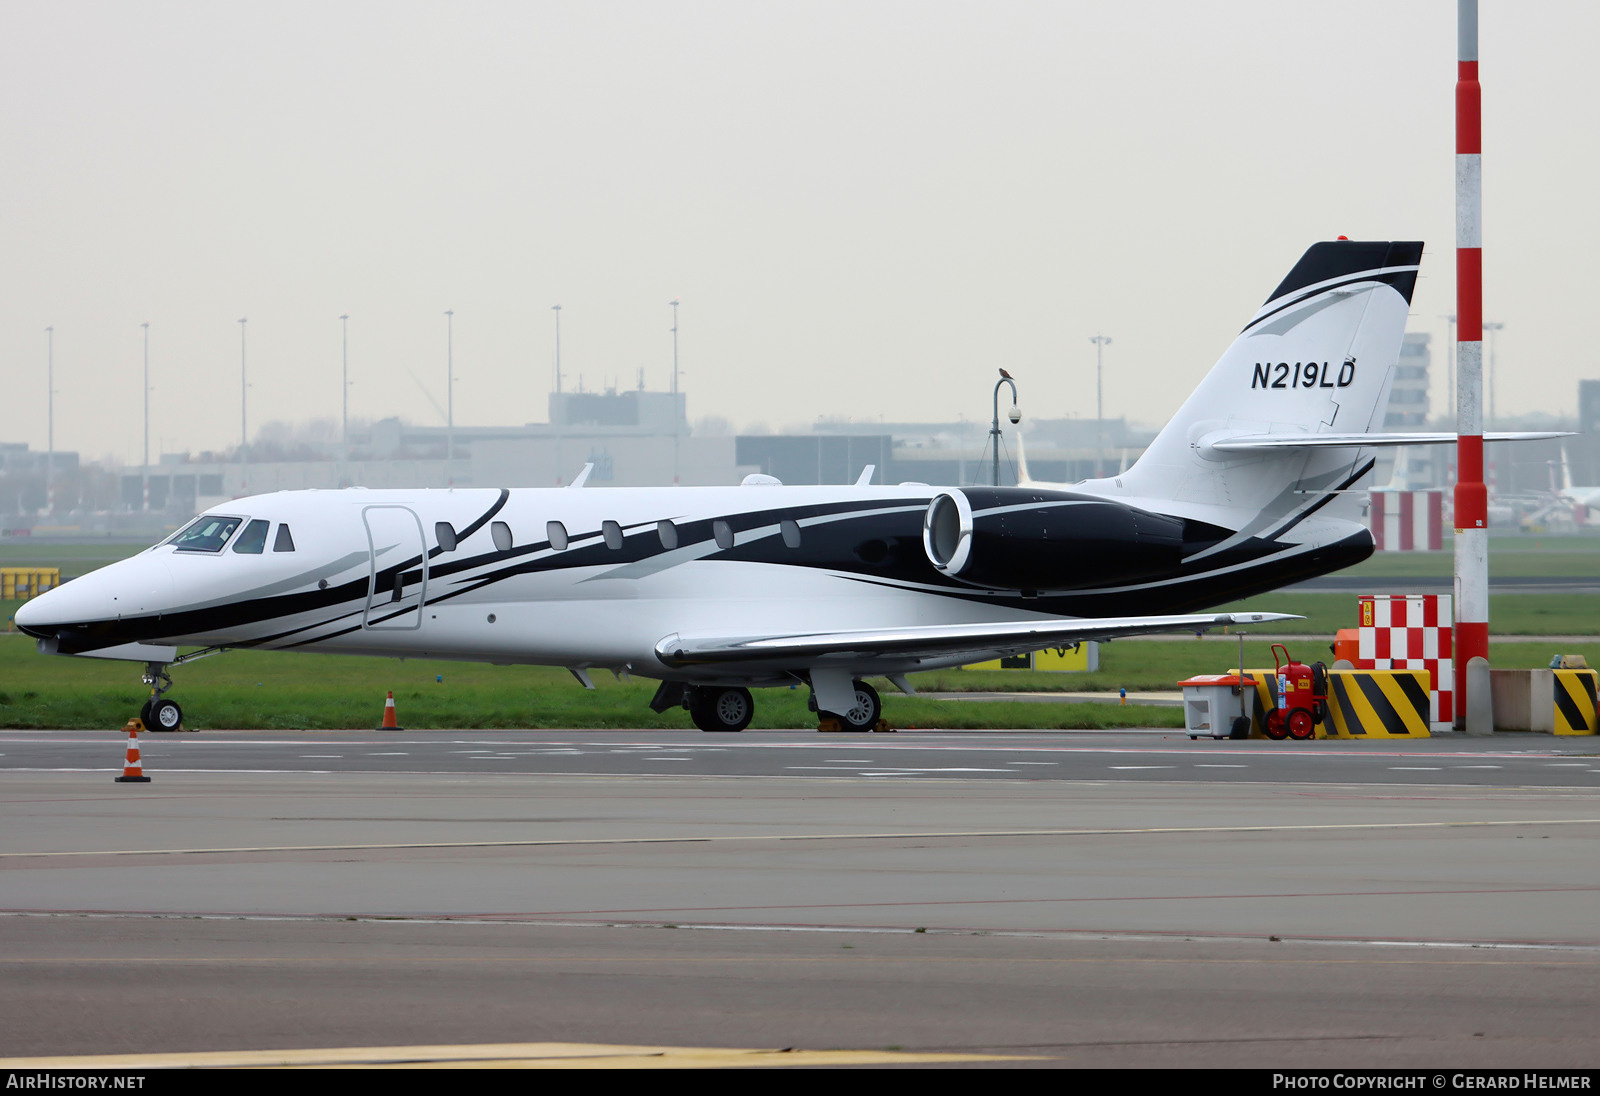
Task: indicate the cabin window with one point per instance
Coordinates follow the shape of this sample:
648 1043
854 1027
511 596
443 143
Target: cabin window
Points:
500 532
206 533
613 534
668 533
557 534
284 541
445 534
791 533
253 541
723 532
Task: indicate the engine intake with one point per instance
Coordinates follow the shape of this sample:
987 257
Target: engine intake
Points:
1019 538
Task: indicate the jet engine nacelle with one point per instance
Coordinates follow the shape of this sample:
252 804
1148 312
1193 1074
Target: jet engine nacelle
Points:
1020 538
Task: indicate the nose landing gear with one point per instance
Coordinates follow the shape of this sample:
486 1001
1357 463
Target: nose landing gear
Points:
158 713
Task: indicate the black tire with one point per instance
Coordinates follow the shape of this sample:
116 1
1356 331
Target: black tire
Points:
721 709
864 716
144 714
164 715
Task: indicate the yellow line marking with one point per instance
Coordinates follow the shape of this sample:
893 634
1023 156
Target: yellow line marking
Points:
576 841
503 1055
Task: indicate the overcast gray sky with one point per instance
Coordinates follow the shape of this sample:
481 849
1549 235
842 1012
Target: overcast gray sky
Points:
864 207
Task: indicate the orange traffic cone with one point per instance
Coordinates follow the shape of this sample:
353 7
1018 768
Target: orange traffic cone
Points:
132 771
389 723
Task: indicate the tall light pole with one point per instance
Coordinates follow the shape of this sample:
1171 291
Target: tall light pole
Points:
145 473
675 414
1493 420
450 395
1100 343
1450 360
1015 415
557 310
50 422
244 421
1493 329
344 384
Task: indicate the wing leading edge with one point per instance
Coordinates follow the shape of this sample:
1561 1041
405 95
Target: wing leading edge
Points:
933 641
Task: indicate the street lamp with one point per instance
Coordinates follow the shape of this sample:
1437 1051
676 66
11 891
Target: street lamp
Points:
50 422
145 474
1100 343
675 415
344 386
557 310
244 422
1015 415
1492 329
1450 363
450 395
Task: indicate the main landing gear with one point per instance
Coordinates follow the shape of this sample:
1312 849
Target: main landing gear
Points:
725 708
863 715
720 708
158 713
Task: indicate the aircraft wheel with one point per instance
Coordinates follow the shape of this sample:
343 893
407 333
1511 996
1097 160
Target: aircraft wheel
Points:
1301 726
162 715
1277 730
863 715
718 709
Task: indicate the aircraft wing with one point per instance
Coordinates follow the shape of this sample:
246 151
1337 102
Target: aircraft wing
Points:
932 641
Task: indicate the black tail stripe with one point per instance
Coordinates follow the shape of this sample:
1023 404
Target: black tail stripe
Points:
1323 501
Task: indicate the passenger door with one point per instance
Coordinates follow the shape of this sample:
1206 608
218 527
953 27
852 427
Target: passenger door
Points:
397 583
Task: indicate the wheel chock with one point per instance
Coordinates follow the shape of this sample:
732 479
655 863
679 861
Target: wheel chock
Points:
132 771
882 727
829 726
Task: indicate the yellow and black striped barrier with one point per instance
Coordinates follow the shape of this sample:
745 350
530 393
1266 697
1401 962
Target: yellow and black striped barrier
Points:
26 582
1575 702
1378 703
1361 703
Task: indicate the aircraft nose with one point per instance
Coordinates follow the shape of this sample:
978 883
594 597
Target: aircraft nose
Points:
75 602
131 588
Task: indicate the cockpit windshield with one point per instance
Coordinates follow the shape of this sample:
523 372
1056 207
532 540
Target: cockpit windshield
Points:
206 533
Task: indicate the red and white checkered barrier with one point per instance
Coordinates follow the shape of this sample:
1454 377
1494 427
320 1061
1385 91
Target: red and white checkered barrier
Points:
1411 632
1407 521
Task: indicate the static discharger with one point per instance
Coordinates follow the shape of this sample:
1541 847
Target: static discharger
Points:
132 770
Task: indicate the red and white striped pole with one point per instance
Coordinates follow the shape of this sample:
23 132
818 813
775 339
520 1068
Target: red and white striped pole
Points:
1472 496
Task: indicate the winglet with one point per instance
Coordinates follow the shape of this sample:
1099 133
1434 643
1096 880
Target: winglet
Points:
865 478
582 477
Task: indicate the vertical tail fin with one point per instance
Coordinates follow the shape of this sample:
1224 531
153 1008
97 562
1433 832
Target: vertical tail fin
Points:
1317 357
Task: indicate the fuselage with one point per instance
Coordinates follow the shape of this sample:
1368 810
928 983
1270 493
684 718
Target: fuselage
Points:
597 577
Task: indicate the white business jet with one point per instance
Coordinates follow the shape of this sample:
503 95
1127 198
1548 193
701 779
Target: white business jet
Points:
713 590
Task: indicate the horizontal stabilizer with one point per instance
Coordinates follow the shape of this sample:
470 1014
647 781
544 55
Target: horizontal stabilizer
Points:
1251 443
930 641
